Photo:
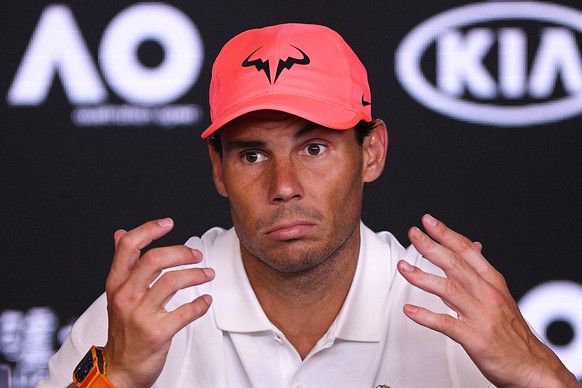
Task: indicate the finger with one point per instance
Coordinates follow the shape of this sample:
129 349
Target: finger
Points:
128 246
143 235
456 243
117 236
155 260
470 252
451 292
172 281
478 245
443 323
186 313
454 266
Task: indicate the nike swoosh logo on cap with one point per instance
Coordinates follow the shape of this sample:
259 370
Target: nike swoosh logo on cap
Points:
364 102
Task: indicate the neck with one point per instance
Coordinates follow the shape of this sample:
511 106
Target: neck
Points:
304 304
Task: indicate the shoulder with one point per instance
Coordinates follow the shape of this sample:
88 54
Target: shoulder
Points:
389 246
397 251
382 252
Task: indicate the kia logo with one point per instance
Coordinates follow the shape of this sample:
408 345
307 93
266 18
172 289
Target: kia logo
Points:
490 69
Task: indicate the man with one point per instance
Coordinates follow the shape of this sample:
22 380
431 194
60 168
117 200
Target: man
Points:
300 292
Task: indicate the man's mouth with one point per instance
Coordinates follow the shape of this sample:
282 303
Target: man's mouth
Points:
289 230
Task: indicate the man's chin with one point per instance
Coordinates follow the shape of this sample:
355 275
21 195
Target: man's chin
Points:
294 260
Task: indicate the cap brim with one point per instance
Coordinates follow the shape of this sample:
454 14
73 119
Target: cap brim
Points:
321 112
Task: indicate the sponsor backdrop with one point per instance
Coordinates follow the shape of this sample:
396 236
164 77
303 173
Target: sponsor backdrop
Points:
103 104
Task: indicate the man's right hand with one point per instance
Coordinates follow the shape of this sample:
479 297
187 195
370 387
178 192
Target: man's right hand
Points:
140 328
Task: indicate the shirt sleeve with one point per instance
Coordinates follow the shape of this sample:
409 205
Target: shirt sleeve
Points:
90 329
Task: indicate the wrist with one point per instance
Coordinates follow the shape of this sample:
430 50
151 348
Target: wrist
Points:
554 375
91 370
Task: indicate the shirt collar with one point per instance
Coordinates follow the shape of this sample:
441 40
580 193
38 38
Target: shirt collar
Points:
235 305
363 315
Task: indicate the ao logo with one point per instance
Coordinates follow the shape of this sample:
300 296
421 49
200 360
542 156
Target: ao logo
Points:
557 301
57 46
460 63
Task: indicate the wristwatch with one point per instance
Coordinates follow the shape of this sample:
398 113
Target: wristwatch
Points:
91 370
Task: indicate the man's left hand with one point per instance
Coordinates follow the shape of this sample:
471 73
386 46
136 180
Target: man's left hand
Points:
488 324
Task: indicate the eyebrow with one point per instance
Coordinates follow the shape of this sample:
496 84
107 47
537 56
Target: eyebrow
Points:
247 144
243 144
305 130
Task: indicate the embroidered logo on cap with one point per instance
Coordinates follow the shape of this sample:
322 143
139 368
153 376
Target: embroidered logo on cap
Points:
288 63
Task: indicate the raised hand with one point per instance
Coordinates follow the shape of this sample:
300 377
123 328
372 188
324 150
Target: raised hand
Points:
488 324
140 328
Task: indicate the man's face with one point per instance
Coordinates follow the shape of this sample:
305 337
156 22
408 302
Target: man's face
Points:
295 188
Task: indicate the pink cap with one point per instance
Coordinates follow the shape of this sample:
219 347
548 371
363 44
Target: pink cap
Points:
303 69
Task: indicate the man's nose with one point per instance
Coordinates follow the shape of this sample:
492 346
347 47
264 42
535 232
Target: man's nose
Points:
285 181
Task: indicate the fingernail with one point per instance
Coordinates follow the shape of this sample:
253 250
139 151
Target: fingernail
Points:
405 266
430 220
197 255
165 222
207 299
209 272
410 309
417 233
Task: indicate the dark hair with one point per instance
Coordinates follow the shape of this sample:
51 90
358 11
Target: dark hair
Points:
215 142
362 129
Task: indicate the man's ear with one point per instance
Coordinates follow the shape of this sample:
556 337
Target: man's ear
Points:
374 149
216 161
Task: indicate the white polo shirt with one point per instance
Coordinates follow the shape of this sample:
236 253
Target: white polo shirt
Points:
370 344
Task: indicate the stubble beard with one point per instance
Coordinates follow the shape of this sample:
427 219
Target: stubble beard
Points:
299 258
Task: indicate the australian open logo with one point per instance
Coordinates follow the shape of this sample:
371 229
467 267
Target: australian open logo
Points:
120 88
506 64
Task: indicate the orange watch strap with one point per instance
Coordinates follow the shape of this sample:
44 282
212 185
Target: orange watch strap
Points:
95 377
99 381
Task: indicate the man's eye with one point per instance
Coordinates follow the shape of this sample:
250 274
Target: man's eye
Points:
314 149
253 157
